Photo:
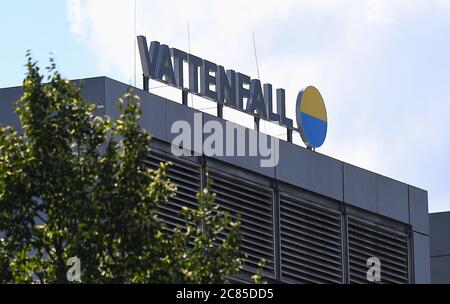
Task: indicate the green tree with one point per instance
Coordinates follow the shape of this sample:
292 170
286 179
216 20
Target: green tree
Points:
74 184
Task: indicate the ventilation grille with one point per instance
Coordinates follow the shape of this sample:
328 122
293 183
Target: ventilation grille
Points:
187 177
368 240
311 243
254 204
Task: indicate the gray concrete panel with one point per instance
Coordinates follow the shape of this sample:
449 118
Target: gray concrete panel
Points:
392 199
440 233
246 161
8 97
440 269
360 188
421 258
418 210
153 107
93 90
310 170
178 112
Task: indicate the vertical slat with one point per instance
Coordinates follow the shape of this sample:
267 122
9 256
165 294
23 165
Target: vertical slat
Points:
187 177
254 204
368 240
311 242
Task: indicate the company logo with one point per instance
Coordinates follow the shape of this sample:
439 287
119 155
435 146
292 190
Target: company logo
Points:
311 117
234 89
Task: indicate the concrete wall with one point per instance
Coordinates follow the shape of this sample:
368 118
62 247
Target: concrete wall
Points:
440 247
297 166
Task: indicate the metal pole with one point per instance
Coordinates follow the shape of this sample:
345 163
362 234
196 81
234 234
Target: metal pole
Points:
289 135
257 124
184 97
145 83
219 110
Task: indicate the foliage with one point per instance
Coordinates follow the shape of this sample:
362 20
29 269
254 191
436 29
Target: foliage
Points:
74 184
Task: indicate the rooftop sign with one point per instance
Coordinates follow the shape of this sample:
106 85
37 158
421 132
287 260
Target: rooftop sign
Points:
235 90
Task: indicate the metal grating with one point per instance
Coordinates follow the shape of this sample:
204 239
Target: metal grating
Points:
311 235
311 242
187 177
254 204
369 240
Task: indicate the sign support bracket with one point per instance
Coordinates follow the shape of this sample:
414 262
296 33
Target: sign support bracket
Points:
145 83
184 97
289 135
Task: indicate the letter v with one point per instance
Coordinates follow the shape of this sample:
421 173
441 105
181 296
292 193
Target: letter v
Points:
148 56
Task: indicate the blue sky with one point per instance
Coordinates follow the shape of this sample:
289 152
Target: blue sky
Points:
383 67
43 27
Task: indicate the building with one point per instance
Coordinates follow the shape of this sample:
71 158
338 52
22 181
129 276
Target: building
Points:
440 247
313 218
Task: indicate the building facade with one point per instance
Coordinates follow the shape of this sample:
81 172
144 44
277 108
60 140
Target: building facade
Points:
440 247
312 218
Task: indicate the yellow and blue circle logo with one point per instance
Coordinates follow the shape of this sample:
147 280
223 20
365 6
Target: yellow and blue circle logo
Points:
311 117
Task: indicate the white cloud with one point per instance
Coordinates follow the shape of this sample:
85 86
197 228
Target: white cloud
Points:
74 15
376 12
366 58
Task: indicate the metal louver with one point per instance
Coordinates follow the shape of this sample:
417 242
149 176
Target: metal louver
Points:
369 240
311 242
254 204
187 177
311 234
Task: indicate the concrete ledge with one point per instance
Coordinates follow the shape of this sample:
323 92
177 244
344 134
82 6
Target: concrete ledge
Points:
360 187
310 170
418 210
440 269
252 163
421 258
297 166
376 193
392 199
8 97
440 233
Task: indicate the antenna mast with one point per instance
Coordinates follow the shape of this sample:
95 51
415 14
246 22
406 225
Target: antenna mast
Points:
189 51
256 56
259 77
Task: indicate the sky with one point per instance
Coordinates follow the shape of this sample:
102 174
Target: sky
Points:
382 67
